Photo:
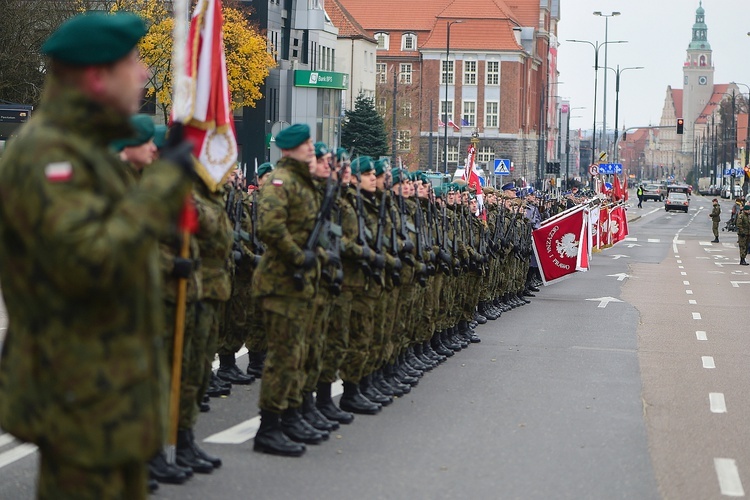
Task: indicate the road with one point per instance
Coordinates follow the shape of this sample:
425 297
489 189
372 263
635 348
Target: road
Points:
627 381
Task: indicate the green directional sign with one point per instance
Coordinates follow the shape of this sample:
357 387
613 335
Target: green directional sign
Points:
321 79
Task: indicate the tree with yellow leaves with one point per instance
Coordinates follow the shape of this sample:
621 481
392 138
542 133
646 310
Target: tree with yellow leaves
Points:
248 59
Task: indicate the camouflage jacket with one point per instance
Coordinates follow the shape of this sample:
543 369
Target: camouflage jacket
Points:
215 238
287 208
81 371
743 224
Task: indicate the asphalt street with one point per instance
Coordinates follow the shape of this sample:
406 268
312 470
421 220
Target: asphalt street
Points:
626 381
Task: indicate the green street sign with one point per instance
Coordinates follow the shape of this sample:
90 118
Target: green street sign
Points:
321 79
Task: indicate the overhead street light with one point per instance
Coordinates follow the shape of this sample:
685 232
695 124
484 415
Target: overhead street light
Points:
618 71
604 107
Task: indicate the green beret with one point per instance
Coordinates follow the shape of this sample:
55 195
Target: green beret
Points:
321 149
95 38
293 136
362 164
264 168
746 207
381 166
342 154
144 129
440 191
397 175
160 135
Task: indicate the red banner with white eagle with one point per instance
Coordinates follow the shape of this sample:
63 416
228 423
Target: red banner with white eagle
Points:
557 244
618 224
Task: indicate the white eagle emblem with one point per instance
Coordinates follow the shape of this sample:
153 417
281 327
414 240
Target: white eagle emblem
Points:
567 246
614 227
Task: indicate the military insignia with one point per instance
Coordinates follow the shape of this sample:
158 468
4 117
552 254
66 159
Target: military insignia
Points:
60 171
277 182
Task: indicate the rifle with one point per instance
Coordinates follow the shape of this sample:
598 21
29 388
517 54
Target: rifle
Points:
362 234
311 244
421 237
395 276
334 237
421 271
443 256
258 246
408 246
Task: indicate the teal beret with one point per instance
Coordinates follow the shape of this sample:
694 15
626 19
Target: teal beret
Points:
746 207
397 175
95 38
381 166
264 168
362 164
144 129
342 154
160 135
293 136
440 191
321 149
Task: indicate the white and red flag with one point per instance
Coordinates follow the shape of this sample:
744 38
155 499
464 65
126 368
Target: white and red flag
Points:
451 123
204 105
604 238
618 224
557 244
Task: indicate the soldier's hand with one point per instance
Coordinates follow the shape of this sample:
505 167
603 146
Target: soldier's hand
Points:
378 262
408 246
308 262
178 150
333 258
366 254
182 268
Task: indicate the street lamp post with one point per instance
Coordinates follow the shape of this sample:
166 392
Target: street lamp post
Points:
445 76
604 106
745 184
596 47
618 71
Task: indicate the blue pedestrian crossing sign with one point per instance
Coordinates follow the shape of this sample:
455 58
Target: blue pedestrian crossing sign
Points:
502 167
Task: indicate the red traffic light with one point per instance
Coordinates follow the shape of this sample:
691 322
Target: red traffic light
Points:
680 125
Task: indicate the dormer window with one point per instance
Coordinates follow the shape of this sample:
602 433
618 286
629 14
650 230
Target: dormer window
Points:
383 40
409 42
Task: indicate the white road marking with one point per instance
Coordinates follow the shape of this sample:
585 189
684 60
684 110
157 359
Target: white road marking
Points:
680 267
692 302
620 276
679 262
16 453
708 362
685 282
729 477
717 403
696 315
737 284
729 245
630 239
245 431
705 243
689 292
654 240
701 335
619 256
683 273
705 258
603 301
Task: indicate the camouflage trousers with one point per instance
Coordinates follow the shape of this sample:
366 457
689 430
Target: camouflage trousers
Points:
60 479
317 341
742 241
361 334
378 344
236 322
288 323
337 337
209 323
389 325
431 307
193 361
471 297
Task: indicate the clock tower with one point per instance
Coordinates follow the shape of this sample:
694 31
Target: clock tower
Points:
698 75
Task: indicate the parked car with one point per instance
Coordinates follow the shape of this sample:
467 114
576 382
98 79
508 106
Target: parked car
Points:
677 201
653 192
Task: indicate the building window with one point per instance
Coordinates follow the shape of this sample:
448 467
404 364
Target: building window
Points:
404 140
493 72
447 73
382 72
452 154
383 40
470 114
381 106
409 42
470 72
406 109
491 114
486 155
446 111
404 75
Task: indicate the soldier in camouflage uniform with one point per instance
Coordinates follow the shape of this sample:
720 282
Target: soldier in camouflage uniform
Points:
85 381
285 282
743 232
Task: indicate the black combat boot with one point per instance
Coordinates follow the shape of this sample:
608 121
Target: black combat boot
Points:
313 416
427 349
215 461
523 299
458 338
217 387
164 472
381 384
328 408
271 439
368 390
439 347
399 387
204 407
230 372
479 318
404 373
255 363
353 401
153 485
447 338
297 428
414 354
186 455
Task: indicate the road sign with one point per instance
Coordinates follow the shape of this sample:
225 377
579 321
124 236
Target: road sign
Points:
502 167
610 168
594 169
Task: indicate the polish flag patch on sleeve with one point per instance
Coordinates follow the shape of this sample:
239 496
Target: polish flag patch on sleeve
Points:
61 171
277 182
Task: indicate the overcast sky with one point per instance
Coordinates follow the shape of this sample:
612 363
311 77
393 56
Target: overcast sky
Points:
658 33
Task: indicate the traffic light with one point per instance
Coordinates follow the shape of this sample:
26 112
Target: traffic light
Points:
680 125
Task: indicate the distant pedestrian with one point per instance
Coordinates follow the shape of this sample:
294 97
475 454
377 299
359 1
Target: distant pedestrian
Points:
743 232
639 193
715 216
